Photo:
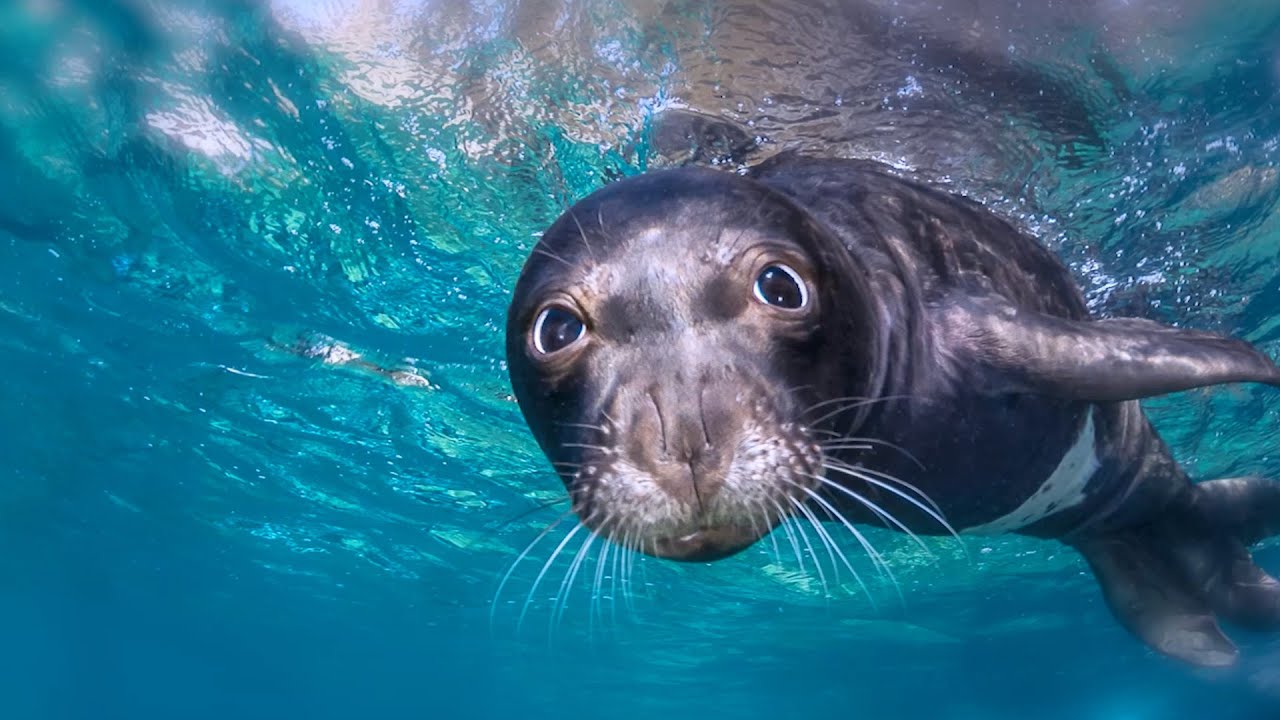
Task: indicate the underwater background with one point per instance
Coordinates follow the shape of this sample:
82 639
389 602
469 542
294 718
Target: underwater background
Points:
260 457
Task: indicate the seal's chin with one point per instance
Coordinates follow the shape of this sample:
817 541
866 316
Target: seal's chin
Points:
704 545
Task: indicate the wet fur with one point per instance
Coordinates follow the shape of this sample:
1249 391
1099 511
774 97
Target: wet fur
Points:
946 368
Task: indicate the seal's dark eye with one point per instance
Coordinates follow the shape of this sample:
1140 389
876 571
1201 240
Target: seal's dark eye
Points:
780 286
556 329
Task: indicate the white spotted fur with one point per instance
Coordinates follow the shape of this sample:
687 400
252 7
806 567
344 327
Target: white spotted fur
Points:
1064 488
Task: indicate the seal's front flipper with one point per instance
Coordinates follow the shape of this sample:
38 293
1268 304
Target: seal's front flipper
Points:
1150 597
1094 360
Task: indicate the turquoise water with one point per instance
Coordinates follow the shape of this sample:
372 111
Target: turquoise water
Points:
219 218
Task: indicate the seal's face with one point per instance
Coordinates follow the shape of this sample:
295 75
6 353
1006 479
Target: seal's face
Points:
666 338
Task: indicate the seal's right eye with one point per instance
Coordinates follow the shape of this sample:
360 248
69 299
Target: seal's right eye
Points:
780 286
556 328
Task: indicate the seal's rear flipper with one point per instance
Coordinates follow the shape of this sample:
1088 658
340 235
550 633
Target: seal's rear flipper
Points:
1240 512
1170 581
1150 598
1095 360
1247 508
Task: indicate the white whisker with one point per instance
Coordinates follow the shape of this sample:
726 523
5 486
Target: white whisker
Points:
773 536
881 512
845 408
581 233
853 401
866 546
903 483
545 566
832 549
822 576
528 548
836 445
566 585
867 475
584 426
597 586
877 559
628 573
543 251
613 580
844 446
786 527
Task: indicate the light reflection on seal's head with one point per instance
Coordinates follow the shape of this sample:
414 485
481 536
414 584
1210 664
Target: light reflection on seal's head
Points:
667 340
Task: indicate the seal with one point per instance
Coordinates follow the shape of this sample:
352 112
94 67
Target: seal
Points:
701 354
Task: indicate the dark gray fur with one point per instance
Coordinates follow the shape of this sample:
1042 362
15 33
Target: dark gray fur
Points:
973 339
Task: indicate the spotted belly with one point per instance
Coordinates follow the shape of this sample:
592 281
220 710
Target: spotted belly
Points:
1063 489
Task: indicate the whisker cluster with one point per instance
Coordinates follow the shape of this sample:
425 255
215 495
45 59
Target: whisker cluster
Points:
878 479
617 544
843 405
615 564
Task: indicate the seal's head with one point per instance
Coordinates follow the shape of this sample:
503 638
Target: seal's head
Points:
667 339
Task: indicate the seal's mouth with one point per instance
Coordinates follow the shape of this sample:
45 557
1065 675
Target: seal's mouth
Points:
694 466
705 544
729 498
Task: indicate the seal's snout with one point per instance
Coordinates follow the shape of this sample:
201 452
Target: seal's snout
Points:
693 463
678 432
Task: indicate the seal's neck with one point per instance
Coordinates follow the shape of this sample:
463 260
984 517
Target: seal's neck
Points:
905 363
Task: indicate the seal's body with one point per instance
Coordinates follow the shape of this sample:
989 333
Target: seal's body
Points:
703 354
970 307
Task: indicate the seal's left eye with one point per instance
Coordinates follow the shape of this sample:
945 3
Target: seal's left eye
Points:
780 286
556 329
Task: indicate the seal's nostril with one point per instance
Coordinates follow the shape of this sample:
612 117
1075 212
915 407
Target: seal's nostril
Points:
702 416
694 482
662 424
